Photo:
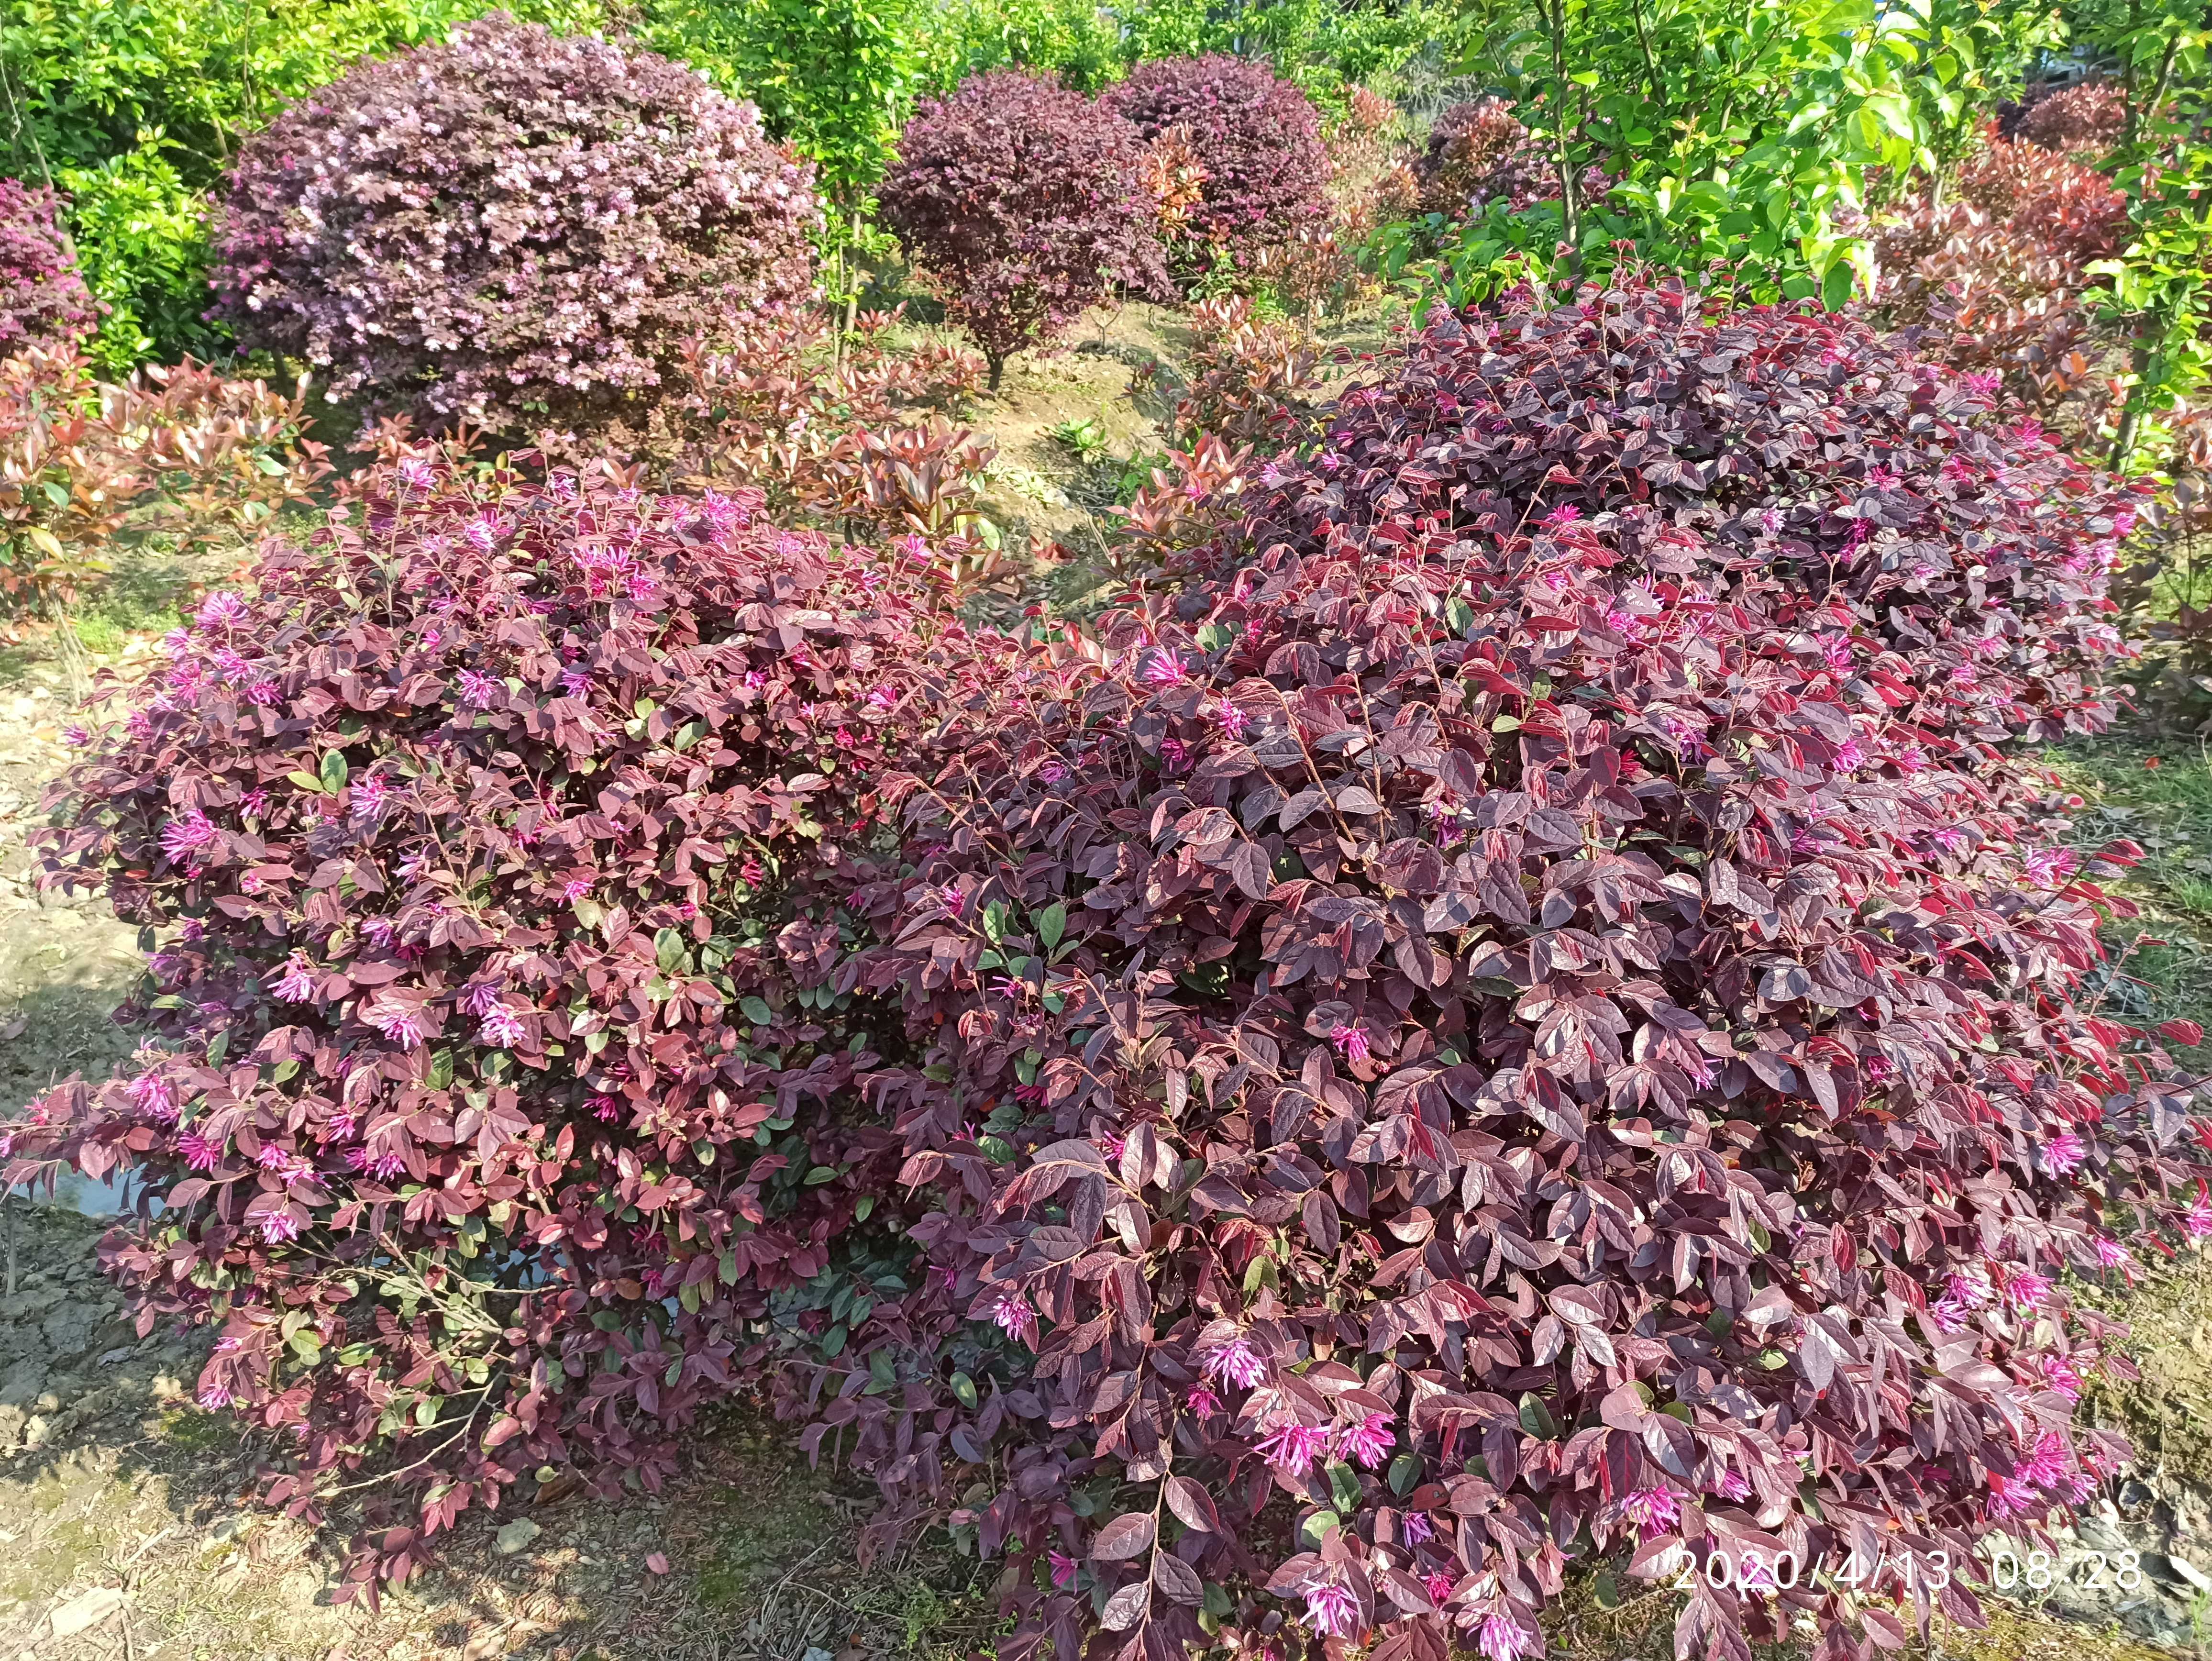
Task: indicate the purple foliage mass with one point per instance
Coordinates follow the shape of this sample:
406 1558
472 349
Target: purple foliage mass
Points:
1257 137
1024 202
515 227
43 299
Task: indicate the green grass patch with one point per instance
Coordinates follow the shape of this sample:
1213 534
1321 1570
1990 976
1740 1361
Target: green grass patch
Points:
139 599
2160 796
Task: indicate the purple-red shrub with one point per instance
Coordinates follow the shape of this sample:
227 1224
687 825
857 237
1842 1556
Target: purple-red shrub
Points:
180 449
1257 137
1851 466
1248 381
2062 205
43 299
2089 117
1026 204
494 1089
1522 1024
1478 151
513 227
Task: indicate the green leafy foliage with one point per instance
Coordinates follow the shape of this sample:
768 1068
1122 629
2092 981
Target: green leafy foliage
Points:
2161 283
1741 138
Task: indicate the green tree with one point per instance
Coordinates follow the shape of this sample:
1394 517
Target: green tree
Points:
1739 141
836 78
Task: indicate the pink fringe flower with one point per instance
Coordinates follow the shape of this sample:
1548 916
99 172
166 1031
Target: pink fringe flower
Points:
1368 1443
1293 1447
1236 1362
1014 1318
187 834
1654 1511
2064 1154
1504 1638
297 983
398 1025
1331 1609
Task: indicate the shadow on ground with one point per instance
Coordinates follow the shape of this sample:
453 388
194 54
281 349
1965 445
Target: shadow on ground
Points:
127 1529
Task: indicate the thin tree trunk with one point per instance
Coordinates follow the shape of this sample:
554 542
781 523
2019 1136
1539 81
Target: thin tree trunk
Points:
1556 16
1651 64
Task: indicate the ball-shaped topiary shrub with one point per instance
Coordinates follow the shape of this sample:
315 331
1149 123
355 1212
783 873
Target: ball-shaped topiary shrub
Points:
43 299
1024 204
1471 143
2089 117
495 1086
1496 1037
1257 137
514 228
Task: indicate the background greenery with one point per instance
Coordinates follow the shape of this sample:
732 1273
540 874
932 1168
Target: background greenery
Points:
1745 139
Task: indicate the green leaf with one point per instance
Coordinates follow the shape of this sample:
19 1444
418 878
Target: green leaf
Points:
964 1388
1405 1472
861 1211
757 1010
1536 1418
1316 1527
1051 924
334 772
1836 286
994 921
306 781
1344 1486
669 949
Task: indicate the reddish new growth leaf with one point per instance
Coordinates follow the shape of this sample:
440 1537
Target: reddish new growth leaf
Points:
2089 118
513 227
1520 1017
1026 204
498 1087
1256 136
1997 277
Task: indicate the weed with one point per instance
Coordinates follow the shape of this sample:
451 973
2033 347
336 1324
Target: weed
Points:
1086 437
